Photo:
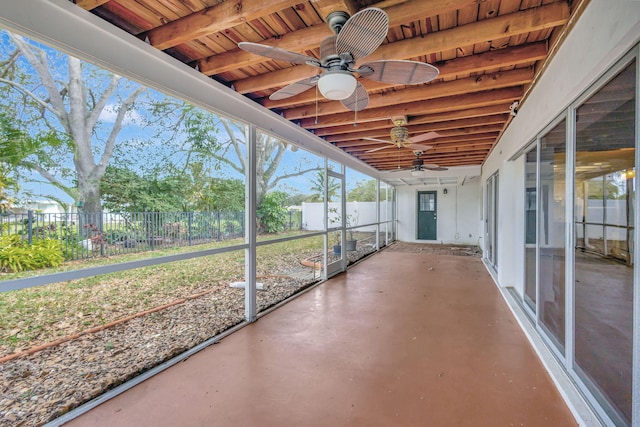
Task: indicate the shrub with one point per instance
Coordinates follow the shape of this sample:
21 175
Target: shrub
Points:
272 213
18 255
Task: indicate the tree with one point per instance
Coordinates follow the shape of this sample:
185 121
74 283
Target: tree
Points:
596 189
10 138
317 187
123 190
363 191
269 154
225 195
67 107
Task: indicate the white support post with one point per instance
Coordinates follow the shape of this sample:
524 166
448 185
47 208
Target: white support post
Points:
378 215
343 232
325 257
250 227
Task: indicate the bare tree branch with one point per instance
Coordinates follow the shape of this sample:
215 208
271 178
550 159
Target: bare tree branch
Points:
38 62
115 130
102 102
30 94
51 178
236 145
228 162
291 175
281 148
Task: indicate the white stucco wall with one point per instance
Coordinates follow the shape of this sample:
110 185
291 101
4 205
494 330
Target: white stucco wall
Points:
606 31
458 213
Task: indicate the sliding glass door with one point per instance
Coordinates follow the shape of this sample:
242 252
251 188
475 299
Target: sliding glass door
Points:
604 269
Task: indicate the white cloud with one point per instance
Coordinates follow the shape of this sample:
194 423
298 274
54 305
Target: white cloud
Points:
110 112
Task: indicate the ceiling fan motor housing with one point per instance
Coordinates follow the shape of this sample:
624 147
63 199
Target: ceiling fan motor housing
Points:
328 50
336 20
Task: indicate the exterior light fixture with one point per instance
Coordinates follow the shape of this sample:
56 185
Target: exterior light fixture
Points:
444 191
337 85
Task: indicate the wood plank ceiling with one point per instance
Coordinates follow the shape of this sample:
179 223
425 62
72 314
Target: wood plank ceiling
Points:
488 53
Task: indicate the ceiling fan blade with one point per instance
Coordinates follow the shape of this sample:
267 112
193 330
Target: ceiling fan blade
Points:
294 88
277 53
363 33
358 100
380 148
424 137
418 147
401 170
430 166
378 140
399 72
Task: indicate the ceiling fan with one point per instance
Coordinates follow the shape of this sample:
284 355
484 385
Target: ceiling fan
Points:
400 137
418 165
355 37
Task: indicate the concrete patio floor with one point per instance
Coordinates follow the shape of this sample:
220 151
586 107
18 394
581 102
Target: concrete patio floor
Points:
401 339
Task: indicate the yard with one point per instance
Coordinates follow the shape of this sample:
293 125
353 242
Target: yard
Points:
66 343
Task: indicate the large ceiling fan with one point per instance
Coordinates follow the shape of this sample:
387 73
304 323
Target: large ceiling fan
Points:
418 165
354 38
400 137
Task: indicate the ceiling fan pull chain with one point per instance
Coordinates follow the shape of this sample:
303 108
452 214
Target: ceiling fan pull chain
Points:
316 104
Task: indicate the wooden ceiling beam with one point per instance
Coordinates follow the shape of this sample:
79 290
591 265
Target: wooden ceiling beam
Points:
432 159
466 126
455 139
408 155
483 62
338 142
90 4
310 38
420 93
471 117
533 19
433 106
212 20
448 162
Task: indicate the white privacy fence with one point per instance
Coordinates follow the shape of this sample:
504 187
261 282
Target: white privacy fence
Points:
358 213
614 215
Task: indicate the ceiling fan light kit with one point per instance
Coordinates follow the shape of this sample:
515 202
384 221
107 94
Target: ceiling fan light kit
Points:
337 85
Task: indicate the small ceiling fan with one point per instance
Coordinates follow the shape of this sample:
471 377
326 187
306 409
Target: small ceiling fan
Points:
400 137
355 37
418 165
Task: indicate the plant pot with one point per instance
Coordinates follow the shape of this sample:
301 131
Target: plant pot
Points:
336 249
351 245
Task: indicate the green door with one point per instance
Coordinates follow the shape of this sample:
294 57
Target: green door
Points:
427 215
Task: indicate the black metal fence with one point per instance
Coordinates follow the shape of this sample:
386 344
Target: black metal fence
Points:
86 235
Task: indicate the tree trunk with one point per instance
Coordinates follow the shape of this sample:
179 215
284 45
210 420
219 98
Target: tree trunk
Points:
89 209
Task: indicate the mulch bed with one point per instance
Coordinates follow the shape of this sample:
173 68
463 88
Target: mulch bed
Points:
40 387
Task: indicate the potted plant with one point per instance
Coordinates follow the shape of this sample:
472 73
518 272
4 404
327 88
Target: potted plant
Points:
351 221
337 246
